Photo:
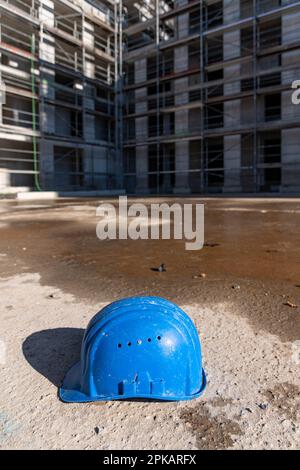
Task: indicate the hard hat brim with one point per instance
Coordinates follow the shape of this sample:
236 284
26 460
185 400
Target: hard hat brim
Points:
70 391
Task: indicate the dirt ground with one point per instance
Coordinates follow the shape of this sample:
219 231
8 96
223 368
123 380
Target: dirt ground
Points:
55 275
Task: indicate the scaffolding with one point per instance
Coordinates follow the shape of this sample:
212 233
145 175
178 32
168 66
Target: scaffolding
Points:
171 96
58 110
207 96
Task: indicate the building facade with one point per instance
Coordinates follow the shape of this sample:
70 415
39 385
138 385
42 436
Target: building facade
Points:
156 97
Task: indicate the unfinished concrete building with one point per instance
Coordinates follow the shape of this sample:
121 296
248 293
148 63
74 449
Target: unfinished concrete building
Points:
57 75
165 97
208 96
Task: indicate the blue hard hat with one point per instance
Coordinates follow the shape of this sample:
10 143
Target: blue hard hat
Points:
138 347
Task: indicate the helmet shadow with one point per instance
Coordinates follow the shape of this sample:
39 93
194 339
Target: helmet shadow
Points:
53 352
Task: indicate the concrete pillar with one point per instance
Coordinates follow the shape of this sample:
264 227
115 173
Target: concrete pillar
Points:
181 63
88 97
89 127
290 138
142 169
89 130
90 154
89 42
47 90
88 37
89 67
141 128
47 176
232 109
90 179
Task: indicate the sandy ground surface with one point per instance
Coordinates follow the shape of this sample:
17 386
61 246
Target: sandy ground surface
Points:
55 275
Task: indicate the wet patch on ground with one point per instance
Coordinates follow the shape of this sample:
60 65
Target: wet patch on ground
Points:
211 432
258 252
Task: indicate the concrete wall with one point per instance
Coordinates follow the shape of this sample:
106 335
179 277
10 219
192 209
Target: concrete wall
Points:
95 167
232 109
56 121
290 138
141 128
47 90
97 155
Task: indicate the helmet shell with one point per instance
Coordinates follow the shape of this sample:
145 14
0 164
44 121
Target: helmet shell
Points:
137 347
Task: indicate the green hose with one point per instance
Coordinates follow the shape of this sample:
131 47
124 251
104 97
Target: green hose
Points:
33 109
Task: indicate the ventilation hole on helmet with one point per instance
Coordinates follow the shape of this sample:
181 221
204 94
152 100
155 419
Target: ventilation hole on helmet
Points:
159 338
149 340
129 343
139 341
119 345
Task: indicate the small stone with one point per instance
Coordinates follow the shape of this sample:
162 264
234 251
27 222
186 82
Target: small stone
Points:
97 430
235 286
162 268
263 406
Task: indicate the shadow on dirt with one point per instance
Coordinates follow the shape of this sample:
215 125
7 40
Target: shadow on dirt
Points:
53 352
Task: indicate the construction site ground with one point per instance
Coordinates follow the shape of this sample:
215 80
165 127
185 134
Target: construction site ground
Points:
242 290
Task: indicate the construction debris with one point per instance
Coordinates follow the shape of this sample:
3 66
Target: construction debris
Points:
290 304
